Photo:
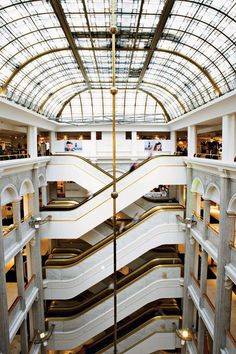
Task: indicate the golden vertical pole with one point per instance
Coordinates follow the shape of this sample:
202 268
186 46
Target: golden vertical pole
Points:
114 193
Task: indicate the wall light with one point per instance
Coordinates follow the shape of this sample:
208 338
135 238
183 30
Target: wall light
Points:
36 221
42 337
184 334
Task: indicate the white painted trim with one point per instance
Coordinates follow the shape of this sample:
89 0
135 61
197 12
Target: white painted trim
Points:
9 194
26 187
215 197
217 108
197 186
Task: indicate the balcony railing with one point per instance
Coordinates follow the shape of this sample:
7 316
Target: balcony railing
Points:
19 155
230 342
16 313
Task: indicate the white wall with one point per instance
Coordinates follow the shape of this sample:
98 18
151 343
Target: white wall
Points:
125 148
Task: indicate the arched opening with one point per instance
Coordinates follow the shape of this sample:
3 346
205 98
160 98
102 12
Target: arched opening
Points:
213 195
42 191
8 195
198 190
26 191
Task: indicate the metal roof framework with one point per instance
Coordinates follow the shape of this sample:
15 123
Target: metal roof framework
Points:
171 56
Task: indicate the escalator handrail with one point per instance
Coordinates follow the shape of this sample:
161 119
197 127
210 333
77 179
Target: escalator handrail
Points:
68 318
86 160
157 318
138 328
119 179
109 239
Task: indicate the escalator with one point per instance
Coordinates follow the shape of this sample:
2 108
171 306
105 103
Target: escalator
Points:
79 321
136 327
134 333
130 187
136 268
68 276
72 167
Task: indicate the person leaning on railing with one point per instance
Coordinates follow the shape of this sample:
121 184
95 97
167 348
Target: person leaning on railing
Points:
6 156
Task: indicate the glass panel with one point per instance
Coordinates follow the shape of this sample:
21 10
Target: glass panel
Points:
131 107
195 56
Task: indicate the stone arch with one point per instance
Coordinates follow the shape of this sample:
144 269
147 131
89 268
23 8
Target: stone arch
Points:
232 205
26 187
9 194
197 186
41 181
212 193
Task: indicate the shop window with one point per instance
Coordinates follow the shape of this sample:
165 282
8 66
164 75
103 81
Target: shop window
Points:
153 135
98 135
128 135
74 136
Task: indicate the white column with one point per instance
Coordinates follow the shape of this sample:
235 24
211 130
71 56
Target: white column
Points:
173 138
31 202
4 319
134 145
17 219
35 252
228 138
52 140
192 140
93 148
44 194
198 203
32 148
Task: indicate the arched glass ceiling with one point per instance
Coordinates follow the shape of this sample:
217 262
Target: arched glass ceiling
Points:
94 106
177 53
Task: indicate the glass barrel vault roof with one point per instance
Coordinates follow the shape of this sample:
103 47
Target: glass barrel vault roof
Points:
171 56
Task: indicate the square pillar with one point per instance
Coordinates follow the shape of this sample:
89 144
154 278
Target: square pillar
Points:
4 320
203 276
44 194
32 145
192 140
134 144
228 138
173 139
206 217
223 290
17 218
93 148
21 292
35 256
189 255
201 336
52 140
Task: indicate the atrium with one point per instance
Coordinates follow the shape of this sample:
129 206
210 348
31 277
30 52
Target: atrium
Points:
118 176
